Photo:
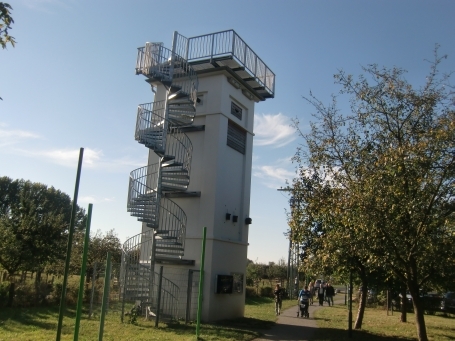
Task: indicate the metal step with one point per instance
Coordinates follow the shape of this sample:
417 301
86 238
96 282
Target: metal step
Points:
173 188
176 175
171 181
176 251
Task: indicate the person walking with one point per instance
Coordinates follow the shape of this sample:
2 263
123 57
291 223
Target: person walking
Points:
278 293
321 292
311 290
329 293
303 302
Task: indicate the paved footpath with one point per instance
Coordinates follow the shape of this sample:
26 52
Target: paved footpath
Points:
289 327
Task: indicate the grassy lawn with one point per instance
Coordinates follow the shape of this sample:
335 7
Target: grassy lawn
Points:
377 326
40 324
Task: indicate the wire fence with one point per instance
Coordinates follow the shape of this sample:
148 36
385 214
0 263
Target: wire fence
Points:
170 294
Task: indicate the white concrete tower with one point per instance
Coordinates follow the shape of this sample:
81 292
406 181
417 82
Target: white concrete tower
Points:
231 78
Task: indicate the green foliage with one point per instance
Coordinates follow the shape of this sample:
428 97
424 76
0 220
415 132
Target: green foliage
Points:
376 187
5 24
100 244
266 292
33 225
134 313
4 287
251 292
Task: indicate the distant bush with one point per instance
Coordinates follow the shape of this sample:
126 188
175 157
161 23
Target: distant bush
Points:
251 292
266 292
4 287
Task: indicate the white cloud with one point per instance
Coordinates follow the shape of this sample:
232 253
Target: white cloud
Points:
67 157
274 130
10 137
273 176
70 157
92 200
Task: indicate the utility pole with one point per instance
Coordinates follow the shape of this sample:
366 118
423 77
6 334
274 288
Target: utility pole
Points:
292 278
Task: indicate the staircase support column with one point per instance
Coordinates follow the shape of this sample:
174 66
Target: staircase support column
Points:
152 270
158 305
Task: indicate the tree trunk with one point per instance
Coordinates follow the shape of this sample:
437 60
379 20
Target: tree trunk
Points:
418 311
362 304
404 305
9 304
37 287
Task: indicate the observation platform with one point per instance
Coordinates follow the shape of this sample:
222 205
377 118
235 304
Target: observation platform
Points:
225 50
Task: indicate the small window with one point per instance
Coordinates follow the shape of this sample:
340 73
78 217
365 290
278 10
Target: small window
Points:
236 110
236 137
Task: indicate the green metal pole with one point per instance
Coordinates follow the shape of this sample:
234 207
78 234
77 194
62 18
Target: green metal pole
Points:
68 249
107 278
201 284
82 280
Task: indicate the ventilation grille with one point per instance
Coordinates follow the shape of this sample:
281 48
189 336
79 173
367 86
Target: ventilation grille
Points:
236 137
236 110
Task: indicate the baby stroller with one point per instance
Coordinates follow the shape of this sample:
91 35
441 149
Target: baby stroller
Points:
303 309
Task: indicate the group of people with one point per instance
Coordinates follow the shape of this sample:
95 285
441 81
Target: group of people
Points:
324 292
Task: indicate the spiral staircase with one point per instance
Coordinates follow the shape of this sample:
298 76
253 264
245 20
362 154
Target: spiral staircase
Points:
161 127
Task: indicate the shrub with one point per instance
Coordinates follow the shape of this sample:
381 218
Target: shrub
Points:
4 290
251 292
72 291
266 292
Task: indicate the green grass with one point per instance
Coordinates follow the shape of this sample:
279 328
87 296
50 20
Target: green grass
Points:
40 324
377 326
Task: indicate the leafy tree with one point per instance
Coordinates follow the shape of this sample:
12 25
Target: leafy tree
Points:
5 24
330 245
276 272
100 244
33 226
391 164
254 273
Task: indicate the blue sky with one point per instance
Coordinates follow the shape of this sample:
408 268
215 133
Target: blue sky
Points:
70 83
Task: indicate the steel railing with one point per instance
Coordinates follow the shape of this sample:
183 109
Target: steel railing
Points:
173 220
228 43
144 191
154 60
151 125
136 278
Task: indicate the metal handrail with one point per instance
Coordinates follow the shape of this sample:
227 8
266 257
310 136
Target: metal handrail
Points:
154 60
151 118
173 218
179 145
139 272
158 127
150 122
170 216
144 185
228 43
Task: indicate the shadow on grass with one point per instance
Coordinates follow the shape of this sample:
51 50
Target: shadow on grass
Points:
41 317
242 326
324 334
258 300
246 323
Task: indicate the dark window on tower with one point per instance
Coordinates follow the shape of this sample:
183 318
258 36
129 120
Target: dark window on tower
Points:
236 137
236 110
